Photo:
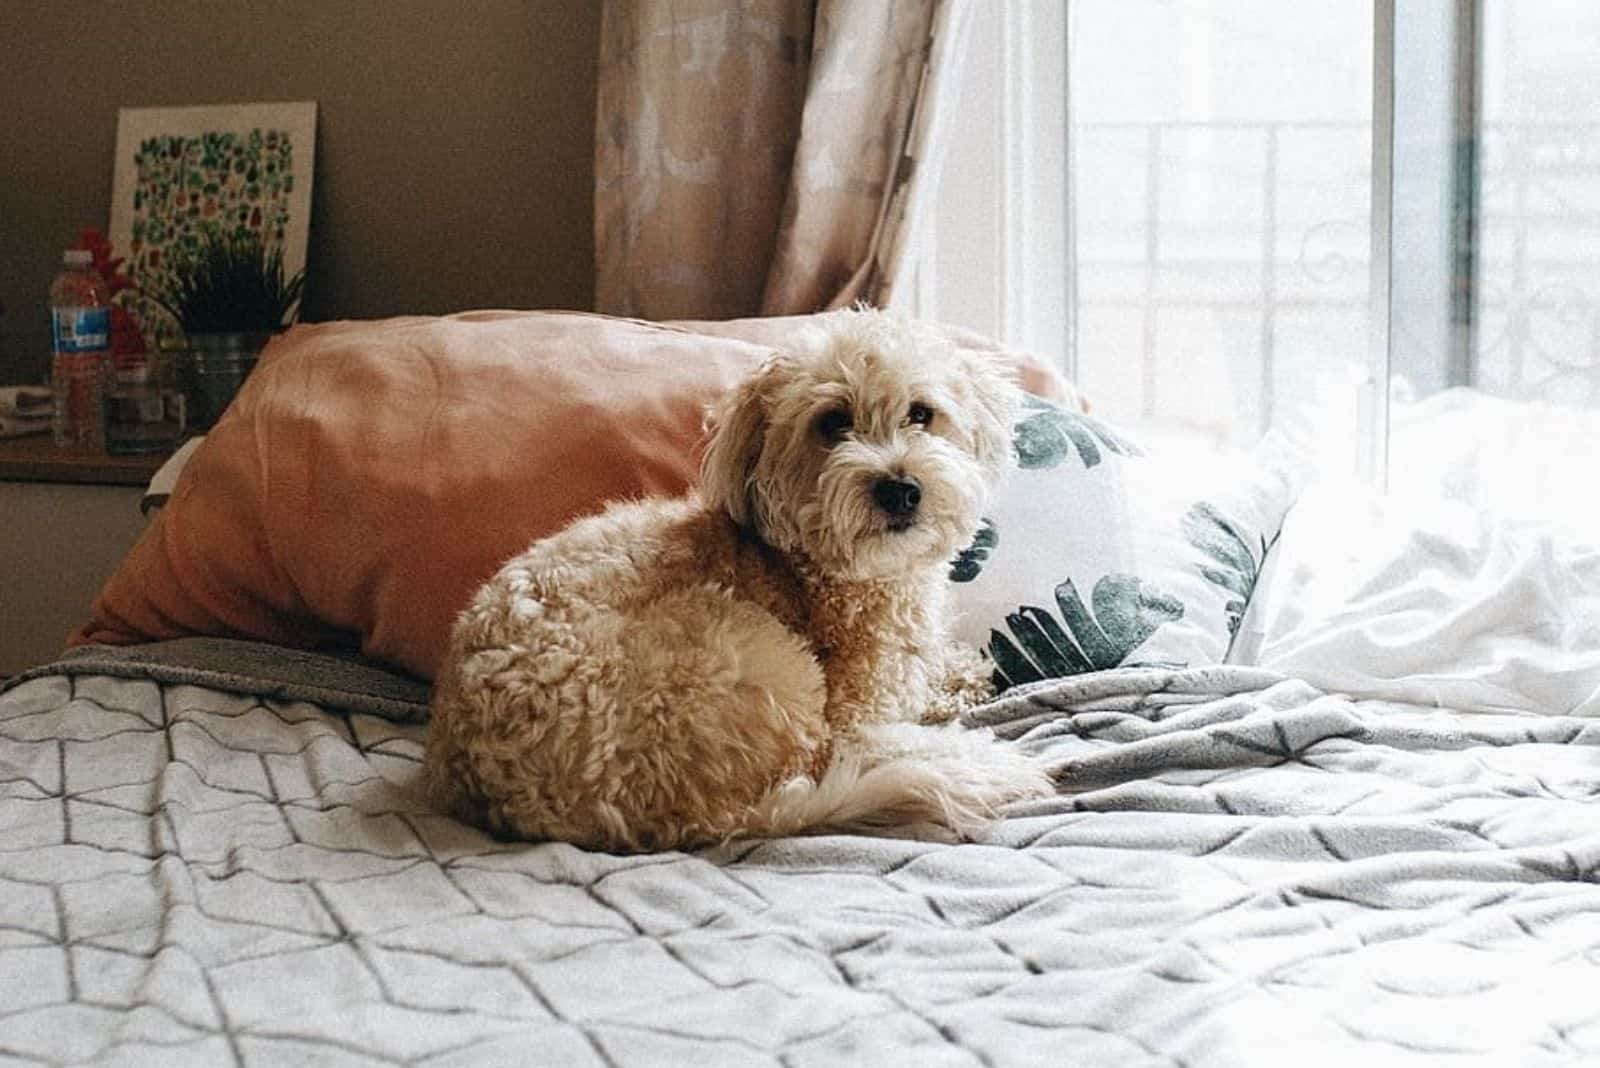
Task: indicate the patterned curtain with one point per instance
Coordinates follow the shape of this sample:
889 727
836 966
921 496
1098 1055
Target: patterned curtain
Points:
766 157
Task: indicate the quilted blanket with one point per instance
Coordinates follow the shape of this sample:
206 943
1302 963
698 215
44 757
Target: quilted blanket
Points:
1242 870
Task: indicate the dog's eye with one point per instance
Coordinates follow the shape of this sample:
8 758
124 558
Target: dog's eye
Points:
834 424
919 414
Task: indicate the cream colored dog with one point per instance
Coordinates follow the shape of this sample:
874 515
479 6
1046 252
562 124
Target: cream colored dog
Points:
762 659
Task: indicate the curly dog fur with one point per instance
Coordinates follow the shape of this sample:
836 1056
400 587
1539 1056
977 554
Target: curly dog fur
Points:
767 657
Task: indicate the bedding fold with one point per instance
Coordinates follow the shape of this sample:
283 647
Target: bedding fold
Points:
1431 602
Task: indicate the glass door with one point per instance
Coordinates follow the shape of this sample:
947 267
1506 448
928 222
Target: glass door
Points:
1221 188
1328 218
1536 291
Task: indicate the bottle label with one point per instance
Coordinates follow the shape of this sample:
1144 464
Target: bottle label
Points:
80 329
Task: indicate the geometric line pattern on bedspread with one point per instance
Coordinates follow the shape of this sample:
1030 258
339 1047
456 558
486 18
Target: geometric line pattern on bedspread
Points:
1242 869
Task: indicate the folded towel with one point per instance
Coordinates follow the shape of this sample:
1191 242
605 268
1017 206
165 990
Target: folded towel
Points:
15 426
25 401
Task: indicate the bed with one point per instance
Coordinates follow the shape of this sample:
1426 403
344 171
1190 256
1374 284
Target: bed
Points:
1363 830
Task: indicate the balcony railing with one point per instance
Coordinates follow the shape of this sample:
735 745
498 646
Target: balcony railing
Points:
1256 235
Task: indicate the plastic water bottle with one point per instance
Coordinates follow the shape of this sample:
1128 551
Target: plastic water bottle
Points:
80 356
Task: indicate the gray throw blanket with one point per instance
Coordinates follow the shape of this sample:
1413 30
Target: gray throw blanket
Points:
1241 870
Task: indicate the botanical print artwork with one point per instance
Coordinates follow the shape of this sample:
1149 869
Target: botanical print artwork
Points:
228 181
182 173
224 180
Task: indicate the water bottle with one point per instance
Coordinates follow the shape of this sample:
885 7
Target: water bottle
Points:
80 352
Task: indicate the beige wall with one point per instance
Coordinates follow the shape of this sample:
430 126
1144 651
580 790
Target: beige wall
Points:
454 141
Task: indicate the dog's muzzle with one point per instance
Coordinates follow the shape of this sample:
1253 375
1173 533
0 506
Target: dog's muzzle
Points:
898 498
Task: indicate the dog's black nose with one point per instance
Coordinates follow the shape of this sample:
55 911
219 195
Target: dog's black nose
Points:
898 497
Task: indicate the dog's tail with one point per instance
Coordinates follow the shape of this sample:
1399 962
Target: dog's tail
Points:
905 775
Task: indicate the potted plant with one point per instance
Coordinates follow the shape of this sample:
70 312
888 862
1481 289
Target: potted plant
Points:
229 295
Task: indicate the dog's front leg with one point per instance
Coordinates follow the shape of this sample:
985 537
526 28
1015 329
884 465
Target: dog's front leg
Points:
968 679
904 687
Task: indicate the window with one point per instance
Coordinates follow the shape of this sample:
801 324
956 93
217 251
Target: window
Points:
1536 285
1231 214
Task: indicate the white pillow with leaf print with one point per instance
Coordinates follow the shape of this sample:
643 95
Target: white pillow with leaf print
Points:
1094 555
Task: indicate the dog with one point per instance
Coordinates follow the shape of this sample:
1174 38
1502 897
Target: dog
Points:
768 656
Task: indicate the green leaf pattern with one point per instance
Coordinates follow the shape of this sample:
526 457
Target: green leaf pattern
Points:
1237 567
1043 438
1046 436
1041 645
1071 638
969 562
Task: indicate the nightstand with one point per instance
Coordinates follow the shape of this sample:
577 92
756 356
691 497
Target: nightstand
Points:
66 521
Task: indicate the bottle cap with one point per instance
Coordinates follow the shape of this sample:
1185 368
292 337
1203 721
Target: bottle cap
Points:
77 257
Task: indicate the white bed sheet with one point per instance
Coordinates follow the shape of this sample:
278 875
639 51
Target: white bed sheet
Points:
1474 583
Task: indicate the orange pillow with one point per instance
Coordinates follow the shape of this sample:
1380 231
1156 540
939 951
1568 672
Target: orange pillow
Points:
371 475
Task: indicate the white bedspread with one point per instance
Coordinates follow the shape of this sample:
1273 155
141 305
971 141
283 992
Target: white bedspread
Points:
1473 584
1243 871
1430 603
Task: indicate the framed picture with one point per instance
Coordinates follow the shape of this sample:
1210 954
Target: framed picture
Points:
183 171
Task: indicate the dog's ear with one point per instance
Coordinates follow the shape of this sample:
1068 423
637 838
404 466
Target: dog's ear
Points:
994 400
738 429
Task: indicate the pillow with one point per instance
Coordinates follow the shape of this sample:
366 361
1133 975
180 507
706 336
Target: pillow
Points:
1094 555
370 476
1035 375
